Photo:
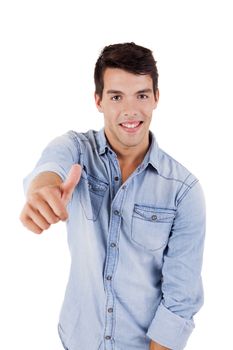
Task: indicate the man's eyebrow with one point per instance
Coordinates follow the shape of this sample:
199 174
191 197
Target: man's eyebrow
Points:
114 92
143 91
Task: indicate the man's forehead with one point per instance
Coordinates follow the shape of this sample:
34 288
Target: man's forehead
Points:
116 79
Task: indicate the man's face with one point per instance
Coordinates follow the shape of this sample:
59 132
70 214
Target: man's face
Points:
127 103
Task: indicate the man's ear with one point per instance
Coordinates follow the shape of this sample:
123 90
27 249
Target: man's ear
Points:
98 101
156 95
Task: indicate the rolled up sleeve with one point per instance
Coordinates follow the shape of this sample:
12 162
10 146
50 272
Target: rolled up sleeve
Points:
169 329
182 292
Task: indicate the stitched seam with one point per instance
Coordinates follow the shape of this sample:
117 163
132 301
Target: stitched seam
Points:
74 136
186 191
177 180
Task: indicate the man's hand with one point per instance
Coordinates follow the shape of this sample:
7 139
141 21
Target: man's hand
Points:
156 346
47 199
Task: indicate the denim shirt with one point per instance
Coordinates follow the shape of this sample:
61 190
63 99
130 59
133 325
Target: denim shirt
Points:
136 247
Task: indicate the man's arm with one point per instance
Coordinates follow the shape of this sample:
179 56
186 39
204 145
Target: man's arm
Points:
47 198
156 346
182 292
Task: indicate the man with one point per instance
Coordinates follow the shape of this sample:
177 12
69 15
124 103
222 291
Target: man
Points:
135 218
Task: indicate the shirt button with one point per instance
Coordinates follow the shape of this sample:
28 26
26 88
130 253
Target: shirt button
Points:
123 187
116 212
109 278
116 178
154 217
107 337
110 309
113 245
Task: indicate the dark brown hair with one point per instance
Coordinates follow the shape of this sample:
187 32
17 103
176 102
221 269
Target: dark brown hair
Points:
128 56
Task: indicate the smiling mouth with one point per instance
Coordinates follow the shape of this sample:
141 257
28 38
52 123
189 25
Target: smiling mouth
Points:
131 126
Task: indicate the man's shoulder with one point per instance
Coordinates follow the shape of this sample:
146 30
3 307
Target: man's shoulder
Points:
172 169
82 138
85 136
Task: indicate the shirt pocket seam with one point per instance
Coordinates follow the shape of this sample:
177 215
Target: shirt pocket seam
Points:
154 234
92 192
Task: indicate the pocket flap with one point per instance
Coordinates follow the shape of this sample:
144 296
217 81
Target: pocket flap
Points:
153 214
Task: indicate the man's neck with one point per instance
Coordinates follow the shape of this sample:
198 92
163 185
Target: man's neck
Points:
130 155
130 158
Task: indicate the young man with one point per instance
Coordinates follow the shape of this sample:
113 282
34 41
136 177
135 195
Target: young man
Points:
135 218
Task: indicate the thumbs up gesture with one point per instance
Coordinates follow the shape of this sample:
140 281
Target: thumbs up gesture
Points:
71 182
47 199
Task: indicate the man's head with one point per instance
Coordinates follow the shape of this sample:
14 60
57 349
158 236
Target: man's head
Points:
127 56
126 93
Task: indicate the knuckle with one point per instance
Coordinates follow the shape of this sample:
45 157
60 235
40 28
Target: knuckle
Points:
24 214
25 220
28 223
22 217
54 220
46 226
45 191
25 224
64 216
32 196
42 223
49 191
33 199
60 210
37 231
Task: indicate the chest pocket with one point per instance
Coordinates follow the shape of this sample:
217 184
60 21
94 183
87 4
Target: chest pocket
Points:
151 226
92 191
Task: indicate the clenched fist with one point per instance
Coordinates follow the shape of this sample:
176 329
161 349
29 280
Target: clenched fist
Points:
47 199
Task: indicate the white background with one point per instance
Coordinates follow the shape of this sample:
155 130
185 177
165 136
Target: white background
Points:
48 51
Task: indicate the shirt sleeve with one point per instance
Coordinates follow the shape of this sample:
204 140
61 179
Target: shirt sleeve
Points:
181 273
58 157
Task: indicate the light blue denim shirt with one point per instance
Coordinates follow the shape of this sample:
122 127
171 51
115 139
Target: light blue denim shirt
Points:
136 247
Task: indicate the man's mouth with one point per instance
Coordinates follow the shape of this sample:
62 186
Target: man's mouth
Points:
131 126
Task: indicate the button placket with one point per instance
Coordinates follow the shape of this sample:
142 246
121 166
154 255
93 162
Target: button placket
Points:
116 173
118 196
111 260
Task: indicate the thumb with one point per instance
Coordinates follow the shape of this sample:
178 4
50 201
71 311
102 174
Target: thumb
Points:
71 182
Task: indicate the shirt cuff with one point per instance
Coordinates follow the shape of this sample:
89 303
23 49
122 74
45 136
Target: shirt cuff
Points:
169 329
53 167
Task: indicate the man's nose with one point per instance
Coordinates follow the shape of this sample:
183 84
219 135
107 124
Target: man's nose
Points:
129 109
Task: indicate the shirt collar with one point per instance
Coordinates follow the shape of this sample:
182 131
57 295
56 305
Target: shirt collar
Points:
103 145
151 157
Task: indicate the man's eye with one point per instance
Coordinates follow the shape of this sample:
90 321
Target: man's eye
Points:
116 98
143 97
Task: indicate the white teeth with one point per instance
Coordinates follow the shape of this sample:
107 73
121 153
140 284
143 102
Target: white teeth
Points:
130 126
